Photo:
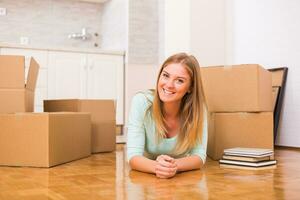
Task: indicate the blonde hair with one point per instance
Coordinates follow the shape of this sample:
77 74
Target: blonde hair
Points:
191 108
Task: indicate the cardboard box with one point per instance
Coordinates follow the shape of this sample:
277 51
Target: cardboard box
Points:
103 117
44 139
237 88
228 130
15 94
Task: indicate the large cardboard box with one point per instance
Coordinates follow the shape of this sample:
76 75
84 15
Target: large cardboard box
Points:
103 117
237 88
228 130
44 139
16 95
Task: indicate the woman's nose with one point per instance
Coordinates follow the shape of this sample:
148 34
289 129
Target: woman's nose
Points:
170 83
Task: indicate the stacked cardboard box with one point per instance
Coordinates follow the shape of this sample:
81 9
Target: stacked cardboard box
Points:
17 95
36 139
102 116
239 100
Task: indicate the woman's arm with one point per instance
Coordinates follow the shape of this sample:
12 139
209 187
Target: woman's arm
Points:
189 163
163 167
136 131
141 163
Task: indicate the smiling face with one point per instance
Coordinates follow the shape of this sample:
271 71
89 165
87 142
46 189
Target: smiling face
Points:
174 82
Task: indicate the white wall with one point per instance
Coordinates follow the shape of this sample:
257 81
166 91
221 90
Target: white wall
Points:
268 32
207 33
176 33
113 25
196 27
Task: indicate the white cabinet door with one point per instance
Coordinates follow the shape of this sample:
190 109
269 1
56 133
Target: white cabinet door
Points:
41 56
67 75
106 80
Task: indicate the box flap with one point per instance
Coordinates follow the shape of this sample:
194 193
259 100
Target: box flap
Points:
32 75
12 71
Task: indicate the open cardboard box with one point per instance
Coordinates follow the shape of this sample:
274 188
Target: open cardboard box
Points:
16 95
102 116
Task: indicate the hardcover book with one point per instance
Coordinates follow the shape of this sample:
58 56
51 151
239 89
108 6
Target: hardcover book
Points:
247 167
248 152
247 158
250 164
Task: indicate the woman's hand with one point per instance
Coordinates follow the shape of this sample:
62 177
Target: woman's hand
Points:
166 166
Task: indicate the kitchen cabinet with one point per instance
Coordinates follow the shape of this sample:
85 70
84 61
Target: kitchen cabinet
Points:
87 76
66 75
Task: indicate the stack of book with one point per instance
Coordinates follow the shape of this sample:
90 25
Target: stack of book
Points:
248 158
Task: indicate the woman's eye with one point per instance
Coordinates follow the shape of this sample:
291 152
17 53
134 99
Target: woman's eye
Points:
179 81
165 75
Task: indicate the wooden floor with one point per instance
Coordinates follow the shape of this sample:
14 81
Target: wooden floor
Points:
107 176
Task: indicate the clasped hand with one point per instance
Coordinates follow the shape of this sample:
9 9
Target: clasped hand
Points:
166 166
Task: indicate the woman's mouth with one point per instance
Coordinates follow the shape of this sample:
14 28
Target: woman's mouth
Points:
168 92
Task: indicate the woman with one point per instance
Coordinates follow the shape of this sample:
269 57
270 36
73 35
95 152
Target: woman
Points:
167 128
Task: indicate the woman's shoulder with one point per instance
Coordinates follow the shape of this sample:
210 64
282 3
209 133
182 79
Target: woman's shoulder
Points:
143 99
144 96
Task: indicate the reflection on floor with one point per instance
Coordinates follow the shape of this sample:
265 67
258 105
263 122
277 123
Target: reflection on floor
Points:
107 176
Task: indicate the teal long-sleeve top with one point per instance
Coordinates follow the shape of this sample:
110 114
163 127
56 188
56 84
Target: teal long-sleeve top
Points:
141 133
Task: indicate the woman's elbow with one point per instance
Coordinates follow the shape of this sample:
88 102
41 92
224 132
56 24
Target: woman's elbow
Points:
200 163
132 161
